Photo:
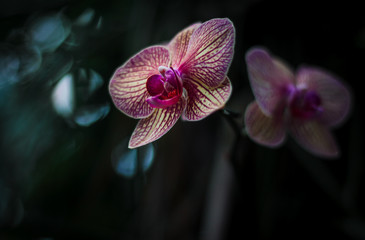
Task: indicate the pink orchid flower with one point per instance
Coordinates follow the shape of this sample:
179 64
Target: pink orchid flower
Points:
187 77
307 104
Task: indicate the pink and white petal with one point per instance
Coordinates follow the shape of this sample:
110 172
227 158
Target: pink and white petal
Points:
158 124
127 87
263 129
179 45
314 137
210 52
271 80
335 96
204 100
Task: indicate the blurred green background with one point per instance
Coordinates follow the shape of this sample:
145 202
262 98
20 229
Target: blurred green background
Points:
66 172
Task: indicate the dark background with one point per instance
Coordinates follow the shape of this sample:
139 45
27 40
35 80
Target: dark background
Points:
66 172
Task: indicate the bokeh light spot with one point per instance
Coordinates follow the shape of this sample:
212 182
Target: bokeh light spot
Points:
9 66
86 17
63 96
90 114
126 162
49 32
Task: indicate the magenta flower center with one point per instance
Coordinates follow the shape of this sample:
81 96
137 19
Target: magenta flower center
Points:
305 104
165 89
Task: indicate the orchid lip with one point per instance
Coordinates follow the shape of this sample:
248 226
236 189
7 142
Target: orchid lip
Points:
157 102
305 104
155 85
165 89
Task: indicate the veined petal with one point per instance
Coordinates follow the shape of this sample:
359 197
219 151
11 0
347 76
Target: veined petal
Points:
179 45
210 52
271 80
127 87
155 126
204 100
314 137
335 97
265 130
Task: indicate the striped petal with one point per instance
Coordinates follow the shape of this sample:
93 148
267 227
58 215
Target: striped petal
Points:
265 130
210 52
315 138
204 100
158 124
335 97
179 45
271 81
127 87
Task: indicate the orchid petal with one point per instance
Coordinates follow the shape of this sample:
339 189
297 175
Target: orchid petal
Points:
263 129
210 52
314 137
335 97
128 84
158 124
271 80
179 44
204 100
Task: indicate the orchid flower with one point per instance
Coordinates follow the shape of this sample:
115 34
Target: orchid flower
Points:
187 77
306 104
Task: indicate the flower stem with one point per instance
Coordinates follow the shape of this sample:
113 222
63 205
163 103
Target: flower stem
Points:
229 116
236 154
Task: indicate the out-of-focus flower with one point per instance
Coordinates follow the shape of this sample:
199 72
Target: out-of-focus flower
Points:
307 104
187 77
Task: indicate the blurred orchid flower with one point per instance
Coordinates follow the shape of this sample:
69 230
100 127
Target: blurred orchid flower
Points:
187 77
306 104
